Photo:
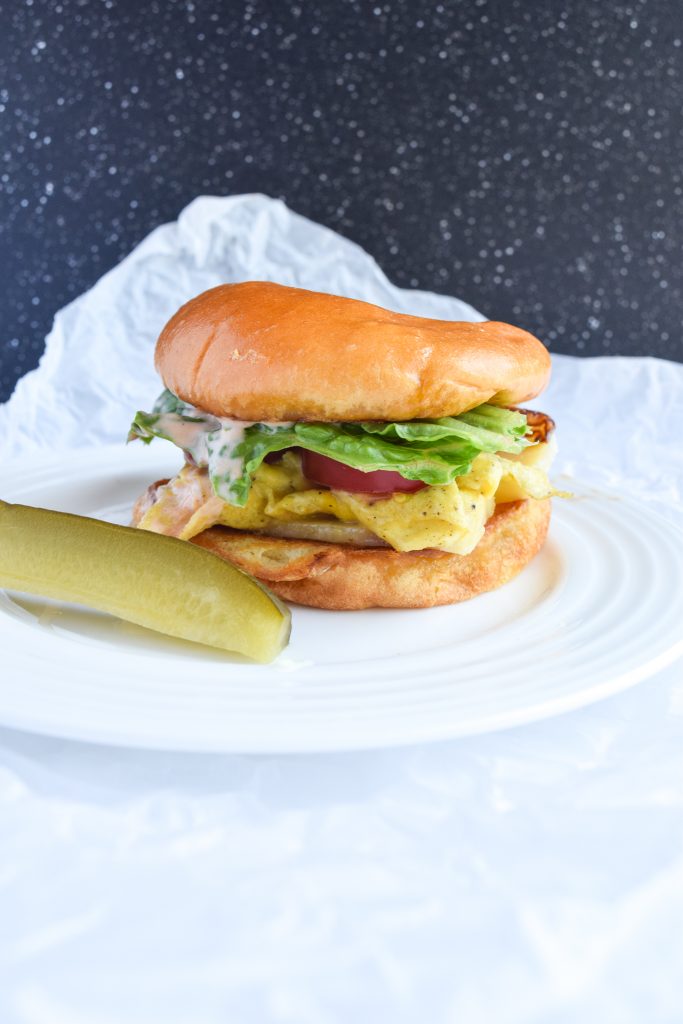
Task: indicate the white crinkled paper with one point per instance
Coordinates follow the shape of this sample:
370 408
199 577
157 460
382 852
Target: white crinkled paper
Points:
529 876
98 365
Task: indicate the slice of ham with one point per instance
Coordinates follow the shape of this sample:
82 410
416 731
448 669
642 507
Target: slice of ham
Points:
180 507
145 501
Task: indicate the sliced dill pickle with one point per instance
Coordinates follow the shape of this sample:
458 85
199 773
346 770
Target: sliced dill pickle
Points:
164 584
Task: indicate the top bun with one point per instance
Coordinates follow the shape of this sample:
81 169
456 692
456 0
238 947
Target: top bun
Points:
262 351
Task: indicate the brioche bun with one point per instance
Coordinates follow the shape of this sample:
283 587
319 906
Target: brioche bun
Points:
262 351
336 576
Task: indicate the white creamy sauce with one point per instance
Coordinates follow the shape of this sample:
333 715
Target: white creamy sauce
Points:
213 441
222 445
187 435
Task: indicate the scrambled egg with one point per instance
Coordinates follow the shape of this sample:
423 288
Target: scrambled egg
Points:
450 518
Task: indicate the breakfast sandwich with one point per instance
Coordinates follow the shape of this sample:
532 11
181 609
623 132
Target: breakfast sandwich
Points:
348 456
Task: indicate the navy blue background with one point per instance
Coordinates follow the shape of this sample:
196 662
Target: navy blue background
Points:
524 157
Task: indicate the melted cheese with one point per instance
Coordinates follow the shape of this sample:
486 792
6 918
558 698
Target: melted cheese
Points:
449 518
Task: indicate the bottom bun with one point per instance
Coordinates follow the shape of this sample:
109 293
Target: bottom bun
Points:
338 576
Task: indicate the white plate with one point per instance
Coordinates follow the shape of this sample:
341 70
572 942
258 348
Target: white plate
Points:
599 609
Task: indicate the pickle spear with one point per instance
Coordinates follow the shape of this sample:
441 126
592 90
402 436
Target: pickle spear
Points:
164 584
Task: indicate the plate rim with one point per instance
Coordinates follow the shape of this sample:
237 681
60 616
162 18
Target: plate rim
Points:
402 733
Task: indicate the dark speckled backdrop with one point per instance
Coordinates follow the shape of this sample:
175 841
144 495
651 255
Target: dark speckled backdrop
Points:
524 156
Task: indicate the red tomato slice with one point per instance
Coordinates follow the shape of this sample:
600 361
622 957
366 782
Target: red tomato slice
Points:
330 473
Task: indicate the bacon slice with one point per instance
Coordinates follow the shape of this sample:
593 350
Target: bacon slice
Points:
540 425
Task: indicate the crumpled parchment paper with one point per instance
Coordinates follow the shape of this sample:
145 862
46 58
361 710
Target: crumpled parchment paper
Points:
530 876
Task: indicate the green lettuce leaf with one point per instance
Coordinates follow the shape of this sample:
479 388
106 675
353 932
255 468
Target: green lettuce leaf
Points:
487 433
433 451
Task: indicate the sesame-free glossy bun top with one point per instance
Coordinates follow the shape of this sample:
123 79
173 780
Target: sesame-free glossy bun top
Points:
263 351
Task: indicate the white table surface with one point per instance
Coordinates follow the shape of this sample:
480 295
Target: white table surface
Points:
533 875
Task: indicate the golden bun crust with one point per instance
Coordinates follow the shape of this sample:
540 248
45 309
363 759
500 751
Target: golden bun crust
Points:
263 351
335 576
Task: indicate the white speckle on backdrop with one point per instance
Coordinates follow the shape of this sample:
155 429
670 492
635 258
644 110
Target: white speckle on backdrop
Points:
530 876
526 155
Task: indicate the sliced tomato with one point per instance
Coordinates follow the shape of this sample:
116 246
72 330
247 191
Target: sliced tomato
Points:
319 469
